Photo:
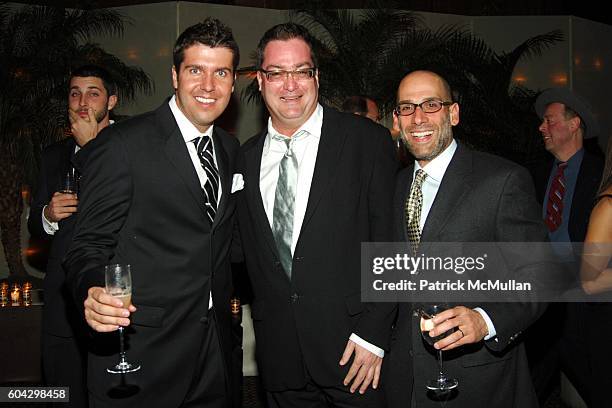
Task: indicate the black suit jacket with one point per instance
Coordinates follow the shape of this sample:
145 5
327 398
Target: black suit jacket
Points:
142 204
60 315
583 200
482 198
304 323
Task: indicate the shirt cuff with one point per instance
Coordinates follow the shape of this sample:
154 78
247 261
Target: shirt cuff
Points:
489 322
368 346
50 227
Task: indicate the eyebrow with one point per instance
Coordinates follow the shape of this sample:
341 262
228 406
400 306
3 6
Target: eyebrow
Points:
203 68
305 64
89 87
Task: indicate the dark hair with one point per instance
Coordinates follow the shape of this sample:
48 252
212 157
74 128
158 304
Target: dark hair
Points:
356 104
210 32
569 113
97 72
284 32
606 177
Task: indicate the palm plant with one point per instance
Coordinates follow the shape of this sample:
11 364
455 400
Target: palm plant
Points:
369 53
39 46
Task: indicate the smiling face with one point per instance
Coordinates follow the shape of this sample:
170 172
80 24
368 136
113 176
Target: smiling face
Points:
560 134
426 135
89 92
290 102
203 84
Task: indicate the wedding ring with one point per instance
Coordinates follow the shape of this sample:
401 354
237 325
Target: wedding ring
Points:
462 333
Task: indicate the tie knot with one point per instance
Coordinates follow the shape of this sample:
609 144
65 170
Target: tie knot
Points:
200 142
561 166
420 177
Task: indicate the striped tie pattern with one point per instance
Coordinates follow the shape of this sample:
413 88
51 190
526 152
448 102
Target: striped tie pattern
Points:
211 187
284 205
554 205
414 204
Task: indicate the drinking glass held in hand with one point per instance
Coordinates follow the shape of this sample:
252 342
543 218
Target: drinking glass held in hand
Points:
427 313
119 284
69 183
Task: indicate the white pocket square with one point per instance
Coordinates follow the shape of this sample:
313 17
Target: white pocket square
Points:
237 183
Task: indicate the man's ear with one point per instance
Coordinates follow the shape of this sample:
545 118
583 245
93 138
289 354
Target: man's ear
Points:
454 114
259 79
174 78
112 101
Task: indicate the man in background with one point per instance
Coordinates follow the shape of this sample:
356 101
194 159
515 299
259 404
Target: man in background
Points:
566 185
92 95
363 106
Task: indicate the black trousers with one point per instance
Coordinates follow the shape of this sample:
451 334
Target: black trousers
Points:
316 396
209 386
64 366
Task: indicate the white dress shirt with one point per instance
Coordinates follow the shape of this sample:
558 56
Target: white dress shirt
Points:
189 133
435 170
304 145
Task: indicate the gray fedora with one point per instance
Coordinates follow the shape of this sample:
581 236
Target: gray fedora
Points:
573 101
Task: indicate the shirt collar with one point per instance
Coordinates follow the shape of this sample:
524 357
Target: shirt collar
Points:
312 128
436 168
188 129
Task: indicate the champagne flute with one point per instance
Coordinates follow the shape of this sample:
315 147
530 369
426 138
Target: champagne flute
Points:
119 284
69 183
427 313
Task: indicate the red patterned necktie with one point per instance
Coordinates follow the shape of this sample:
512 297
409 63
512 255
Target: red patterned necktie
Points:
554 205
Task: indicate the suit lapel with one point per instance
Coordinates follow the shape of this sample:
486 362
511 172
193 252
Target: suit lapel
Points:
330 147
176 151
450 193
251 183
224 176
402 191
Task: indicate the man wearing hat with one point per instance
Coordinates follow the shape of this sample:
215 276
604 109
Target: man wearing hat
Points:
566 206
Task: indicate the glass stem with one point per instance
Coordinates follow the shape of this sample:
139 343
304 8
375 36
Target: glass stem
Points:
121 346
440 364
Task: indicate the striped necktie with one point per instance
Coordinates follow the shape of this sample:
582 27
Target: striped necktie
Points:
554 204
204 149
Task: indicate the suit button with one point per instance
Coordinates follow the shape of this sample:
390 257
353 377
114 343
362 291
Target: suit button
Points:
298 259
204 320
294 298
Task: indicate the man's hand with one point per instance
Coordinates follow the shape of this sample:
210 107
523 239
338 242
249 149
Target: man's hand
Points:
62 205
83 129
469 327
364 370
105 313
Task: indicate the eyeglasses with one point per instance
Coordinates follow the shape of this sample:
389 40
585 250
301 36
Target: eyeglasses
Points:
298 75
429 106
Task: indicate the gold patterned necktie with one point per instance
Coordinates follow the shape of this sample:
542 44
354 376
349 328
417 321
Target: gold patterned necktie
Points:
414 204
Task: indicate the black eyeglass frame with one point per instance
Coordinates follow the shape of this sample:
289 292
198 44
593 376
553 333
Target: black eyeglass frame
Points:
396 110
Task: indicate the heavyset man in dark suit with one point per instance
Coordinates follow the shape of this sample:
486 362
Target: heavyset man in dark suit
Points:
150 198
91 97
467 196
566 121
317 183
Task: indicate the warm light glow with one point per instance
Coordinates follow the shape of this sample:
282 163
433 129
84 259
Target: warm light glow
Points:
31 251
560 79
163 52
577 61
132 54
520 79
598 64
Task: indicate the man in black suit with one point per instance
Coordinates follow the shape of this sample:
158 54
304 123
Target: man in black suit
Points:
466 196
91 97
567 121
317 183
157 194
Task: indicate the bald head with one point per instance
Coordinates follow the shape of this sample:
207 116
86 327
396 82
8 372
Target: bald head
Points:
426 78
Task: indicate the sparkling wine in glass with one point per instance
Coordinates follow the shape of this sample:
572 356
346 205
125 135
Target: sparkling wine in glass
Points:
427 313
69 182
119 284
